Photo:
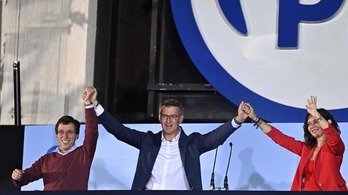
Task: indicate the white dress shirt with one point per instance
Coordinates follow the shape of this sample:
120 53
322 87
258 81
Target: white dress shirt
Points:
168 172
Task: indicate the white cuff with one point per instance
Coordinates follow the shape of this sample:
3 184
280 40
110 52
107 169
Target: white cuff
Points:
99 109
234 124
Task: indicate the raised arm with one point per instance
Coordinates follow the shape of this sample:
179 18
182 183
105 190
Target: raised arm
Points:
91 129
313 110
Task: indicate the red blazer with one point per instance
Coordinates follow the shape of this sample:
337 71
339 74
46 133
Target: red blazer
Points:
327 164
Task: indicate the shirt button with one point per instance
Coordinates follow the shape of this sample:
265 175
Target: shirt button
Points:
319 184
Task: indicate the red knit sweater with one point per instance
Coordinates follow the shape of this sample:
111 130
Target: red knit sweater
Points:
69 172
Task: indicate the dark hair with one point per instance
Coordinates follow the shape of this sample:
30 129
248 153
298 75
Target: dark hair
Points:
66 120
172 102
309 139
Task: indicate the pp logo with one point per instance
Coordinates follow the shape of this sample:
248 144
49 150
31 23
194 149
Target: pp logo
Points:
273 54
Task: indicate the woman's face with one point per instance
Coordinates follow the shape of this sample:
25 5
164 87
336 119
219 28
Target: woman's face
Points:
314 127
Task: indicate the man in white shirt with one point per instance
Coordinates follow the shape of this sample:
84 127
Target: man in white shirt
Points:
169 159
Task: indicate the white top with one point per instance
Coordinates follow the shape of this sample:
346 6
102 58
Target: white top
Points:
168 172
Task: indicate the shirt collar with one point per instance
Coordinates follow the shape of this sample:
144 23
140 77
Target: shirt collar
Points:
67 152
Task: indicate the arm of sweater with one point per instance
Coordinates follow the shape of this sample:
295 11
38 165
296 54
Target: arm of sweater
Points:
91 131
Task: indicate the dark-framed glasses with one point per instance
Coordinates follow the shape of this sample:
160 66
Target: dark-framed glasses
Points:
173 117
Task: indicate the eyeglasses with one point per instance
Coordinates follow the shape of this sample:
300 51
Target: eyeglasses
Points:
314 122
69 132
170 117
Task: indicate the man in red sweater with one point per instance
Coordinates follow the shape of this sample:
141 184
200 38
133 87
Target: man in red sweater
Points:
68 167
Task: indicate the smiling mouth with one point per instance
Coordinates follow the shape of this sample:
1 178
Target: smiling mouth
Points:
65 141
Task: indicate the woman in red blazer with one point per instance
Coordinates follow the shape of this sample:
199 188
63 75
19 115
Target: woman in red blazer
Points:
321 151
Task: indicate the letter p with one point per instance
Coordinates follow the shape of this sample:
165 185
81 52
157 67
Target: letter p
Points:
291 13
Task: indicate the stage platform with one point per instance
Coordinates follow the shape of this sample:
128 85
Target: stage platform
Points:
129 192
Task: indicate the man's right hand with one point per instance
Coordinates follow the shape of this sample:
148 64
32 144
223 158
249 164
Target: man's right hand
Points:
89 95
17 174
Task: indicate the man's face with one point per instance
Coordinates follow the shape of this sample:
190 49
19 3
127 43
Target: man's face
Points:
170 119
66 136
